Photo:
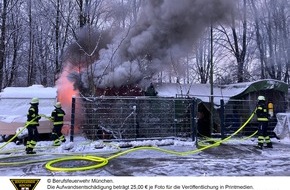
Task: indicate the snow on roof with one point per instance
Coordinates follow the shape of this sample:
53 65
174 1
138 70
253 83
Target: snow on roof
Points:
203 91
15 101
38 91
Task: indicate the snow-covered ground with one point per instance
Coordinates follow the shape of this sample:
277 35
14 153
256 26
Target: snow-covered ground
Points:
168 157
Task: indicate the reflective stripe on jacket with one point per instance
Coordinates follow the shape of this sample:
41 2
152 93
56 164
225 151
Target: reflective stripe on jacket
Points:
262 112
57 116
33 115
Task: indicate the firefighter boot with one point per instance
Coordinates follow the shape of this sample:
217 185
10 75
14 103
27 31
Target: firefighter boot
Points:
268 142
30 151
269 145
62 138
56 142
260 142
260 146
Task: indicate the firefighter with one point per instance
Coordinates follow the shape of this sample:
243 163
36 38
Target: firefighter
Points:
263 118
150 91
57 117
32 124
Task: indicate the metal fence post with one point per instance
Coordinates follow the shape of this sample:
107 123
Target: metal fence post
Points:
135 122
193 123
222 116
72 126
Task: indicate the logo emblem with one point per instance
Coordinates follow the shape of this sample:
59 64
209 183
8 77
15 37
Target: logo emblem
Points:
24 184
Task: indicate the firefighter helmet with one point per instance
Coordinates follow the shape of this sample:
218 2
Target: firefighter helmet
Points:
57 105
34 101
261 98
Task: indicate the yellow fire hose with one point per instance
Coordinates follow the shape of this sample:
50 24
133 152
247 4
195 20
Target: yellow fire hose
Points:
103 161
206 141
24 127
100 161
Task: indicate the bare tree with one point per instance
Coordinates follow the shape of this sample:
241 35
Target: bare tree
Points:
31 67
202 52
240 50
271 27
237 40
84 17
3 38
14 41
57 36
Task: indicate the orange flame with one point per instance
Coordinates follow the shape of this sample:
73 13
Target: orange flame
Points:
66 91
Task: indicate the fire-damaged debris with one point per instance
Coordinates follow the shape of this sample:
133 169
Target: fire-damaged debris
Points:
125 90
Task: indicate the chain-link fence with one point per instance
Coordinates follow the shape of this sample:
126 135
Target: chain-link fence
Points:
136 117
148 117
236 112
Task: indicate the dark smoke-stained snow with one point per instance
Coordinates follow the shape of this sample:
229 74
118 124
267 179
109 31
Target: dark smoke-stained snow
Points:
165 32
